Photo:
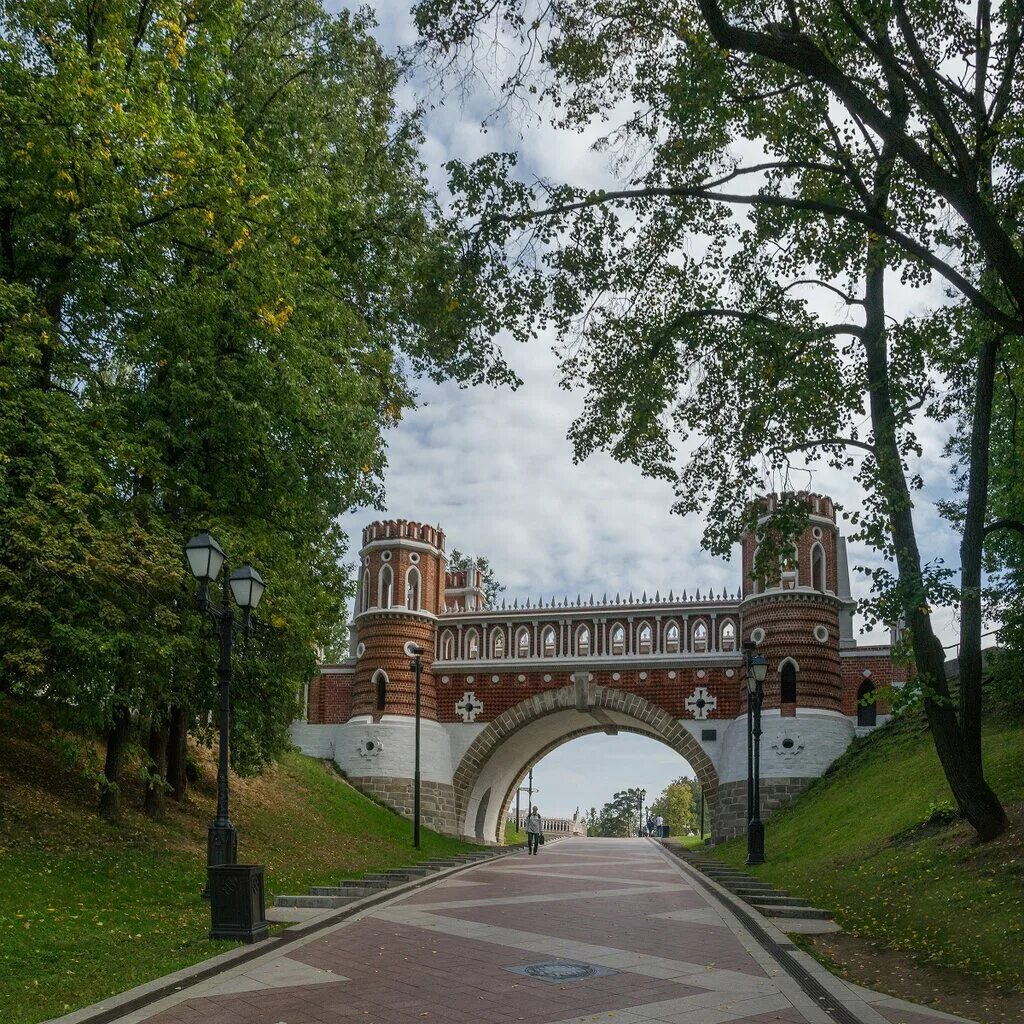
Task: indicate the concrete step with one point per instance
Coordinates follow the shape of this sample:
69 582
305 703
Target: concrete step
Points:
439 864
774 900
804 913
355 891
397 876
324 902
753 891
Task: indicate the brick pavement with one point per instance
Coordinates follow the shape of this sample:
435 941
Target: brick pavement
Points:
442 954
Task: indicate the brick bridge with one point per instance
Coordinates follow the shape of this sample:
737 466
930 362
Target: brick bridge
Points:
502 687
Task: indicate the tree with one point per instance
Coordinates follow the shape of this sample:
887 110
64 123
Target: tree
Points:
619 817
458 562
676 805
221 265
699 281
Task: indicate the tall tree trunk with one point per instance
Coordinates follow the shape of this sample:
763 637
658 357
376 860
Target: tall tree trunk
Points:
971 551
117 742
177 751
156 787
974 797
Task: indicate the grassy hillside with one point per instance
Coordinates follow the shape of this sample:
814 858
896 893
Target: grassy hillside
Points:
877 842
87 909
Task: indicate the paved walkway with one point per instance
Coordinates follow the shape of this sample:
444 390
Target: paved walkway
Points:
500 944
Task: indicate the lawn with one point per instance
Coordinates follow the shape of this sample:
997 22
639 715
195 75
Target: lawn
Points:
876 842
88 910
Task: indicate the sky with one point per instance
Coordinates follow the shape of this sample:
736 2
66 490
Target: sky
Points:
494 468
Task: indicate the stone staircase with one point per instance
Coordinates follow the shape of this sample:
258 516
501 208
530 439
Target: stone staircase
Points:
764 898
330 897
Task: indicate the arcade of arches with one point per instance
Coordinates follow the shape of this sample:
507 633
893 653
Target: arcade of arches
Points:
502 686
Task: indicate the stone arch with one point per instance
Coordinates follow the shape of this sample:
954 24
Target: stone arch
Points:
497 758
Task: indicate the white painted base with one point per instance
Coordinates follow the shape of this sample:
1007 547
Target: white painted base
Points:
816 738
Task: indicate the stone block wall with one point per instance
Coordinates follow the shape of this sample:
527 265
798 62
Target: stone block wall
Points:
437 800
730 818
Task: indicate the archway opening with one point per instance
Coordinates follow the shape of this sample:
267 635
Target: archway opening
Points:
614 784
492 767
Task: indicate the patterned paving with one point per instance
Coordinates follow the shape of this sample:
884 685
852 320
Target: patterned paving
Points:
672 955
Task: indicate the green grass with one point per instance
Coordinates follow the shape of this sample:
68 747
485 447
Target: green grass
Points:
513 835
874 841
88 910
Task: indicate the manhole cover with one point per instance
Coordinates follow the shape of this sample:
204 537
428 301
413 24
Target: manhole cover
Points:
562 970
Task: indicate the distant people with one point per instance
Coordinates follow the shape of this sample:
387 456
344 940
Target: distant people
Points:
659 824
650 826
534 832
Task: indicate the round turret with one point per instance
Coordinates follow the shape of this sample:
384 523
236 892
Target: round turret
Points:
400 590
792 613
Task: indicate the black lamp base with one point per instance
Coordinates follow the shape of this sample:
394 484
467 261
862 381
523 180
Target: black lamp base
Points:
237 903
755 841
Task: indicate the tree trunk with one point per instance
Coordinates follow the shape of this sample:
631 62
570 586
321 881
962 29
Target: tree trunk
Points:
117 743
156 786
974 797
971 551
177 751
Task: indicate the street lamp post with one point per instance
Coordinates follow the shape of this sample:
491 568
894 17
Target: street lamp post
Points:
643 799
757 670
416 667
206 559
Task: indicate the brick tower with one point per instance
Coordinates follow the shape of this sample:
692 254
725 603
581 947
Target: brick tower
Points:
400 594
800 618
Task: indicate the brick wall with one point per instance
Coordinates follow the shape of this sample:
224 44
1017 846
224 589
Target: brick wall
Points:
330 699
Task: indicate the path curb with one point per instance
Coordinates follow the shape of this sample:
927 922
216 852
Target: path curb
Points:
134 999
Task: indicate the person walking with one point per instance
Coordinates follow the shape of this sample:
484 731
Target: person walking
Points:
534 832
659 824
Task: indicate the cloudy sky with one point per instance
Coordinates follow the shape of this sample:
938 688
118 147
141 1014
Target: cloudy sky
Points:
495 469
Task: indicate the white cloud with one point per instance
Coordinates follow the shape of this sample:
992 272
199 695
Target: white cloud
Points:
495 469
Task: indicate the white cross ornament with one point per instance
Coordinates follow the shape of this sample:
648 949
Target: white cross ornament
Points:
469 707
700 703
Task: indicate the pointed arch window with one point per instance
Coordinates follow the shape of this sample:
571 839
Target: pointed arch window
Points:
867 708
700 637
412 589
729 636
787 682
583 645
498 643
447 646
672 638
818 568
547 642
618 639
472 644
789 569
385 587
645 640
364 602
523 642
380 689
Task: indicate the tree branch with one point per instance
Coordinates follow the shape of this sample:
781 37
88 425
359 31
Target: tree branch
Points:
873 223
1004 524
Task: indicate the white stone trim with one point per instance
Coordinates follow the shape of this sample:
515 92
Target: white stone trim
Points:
400 542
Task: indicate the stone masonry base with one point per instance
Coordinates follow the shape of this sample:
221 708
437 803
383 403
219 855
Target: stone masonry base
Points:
730 818
437 800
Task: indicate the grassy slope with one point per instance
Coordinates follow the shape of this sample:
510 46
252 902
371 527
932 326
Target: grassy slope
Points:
87 910
871 842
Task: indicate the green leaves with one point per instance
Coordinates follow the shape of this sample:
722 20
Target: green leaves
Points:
222 264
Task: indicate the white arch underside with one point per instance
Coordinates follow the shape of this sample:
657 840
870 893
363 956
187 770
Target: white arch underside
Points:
508 761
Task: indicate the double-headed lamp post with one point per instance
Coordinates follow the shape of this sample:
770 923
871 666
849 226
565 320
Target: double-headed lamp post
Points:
416 667
757 670
206 560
